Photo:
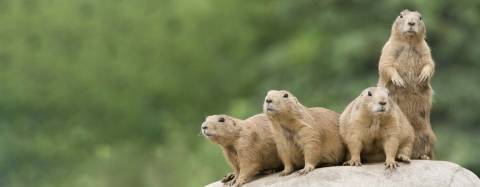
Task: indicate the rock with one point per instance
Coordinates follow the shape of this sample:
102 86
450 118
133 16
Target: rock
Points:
417 173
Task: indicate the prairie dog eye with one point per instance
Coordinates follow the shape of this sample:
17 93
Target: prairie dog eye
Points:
420 18
221 120
285 95
401 16
369 93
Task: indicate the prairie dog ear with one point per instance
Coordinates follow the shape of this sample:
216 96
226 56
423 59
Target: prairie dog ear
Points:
228 118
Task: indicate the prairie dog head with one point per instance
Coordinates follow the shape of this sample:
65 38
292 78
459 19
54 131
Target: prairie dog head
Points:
220 129
376 100
278 102
409 23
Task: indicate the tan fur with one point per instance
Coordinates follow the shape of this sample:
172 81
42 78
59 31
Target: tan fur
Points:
305 137
406 68
375 132
248 145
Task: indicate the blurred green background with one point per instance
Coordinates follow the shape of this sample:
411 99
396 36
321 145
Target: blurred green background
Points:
112 92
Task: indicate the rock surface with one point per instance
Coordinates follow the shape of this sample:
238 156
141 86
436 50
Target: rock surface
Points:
418 173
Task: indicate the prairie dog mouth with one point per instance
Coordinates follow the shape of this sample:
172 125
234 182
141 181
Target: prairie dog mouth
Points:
205 133
380 110
269 107
411 31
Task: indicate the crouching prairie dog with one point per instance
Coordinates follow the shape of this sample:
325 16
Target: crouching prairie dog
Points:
247 145
373 127
305 137
406 68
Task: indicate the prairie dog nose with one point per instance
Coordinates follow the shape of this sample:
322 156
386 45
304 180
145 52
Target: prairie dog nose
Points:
411 23
382 103
268 101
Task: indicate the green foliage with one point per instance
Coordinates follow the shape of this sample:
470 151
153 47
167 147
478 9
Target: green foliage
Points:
112 93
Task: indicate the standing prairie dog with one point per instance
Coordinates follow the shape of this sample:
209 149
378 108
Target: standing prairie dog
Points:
406 68
247 145
305 137
373 126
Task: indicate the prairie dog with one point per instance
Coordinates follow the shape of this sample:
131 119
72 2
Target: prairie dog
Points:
373 127
406 68
247 145
305 137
